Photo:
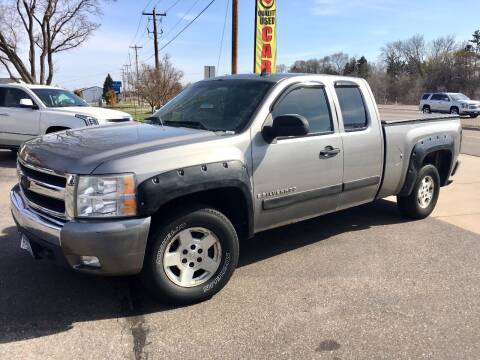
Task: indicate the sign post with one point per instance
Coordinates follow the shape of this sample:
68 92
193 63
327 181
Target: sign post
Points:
265 36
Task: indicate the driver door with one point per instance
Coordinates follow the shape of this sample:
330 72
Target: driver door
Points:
295 178
17 123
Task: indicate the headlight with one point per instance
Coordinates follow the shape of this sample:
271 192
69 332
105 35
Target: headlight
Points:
89 120
106 196
464 105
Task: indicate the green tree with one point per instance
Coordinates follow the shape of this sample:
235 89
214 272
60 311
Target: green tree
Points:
107 85
363 67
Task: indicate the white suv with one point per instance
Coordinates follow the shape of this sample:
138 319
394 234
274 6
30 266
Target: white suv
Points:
27 111
453 103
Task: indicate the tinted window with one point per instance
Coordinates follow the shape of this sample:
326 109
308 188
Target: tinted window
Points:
425 96
3 92
352 107
13 97
309 102
436 97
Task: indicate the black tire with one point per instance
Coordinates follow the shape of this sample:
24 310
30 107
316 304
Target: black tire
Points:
426 109
410 205
154 275
473 116
454 110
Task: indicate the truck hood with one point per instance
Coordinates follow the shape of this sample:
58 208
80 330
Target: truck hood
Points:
469 102
103 115
80 151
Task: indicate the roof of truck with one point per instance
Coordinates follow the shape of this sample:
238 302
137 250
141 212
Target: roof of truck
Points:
275 78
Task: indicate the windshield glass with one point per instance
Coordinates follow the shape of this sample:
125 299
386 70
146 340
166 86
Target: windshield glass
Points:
58 98
459 97
218 105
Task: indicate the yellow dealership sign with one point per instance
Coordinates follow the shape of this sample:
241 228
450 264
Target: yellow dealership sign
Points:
265 36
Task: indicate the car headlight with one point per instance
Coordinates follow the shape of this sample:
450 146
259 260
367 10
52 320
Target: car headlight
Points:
464 105
106 196
89 120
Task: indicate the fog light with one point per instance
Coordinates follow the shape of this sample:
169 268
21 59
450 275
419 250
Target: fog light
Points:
90 261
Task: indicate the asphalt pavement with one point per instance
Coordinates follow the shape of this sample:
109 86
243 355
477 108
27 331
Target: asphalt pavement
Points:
361 284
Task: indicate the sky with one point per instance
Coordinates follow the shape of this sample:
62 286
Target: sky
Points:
305 29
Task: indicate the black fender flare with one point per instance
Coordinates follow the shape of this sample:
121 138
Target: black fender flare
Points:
160 189
420 151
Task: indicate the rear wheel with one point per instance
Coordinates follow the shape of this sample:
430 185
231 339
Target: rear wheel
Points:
426 109
192 257
421 202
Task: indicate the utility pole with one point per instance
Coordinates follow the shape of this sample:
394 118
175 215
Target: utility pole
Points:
234 35
154 15
136 56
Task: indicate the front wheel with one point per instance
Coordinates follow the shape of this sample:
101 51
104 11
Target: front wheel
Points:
454 111
192 257
421 202
473 116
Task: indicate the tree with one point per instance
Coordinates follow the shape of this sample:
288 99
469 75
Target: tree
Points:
47 26
111 97
107 86
157 87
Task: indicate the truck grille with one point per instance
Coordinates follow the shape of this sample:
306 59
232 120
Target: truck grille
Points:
44 190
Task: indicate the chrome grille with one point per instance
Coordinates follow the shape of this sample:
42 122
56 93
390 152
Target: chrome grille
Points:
43 190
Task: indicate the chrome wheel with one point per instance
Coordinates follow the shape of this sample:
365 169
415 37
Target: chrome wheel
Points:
192 257
425 192
454 111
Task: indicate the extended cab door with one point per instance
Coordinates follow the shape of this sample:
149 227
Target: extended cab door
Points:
436 102
362 143
17 123
298 177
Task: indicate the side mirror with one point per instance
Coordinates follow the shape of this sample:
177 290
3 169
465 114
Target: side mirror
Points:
286 125
27 103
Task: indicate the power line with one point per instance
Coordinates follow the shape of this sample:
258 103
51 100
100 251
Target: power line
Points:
188 25
140 22
172 6
223 34
181 19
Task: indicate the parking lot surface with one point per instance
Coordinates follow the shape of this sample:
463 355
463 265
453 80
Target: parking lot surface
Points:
361 284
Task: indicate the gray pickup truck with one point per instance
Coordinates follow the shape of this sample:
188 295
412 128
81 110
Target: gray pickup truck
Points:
222 161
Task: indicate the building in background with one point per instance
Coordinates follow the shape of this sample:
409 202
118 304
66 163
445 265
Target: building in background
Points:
92 94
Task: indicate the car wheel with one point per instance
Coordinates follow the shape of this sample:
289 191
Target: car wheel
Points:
421 202
473 116
454 111
192 257
427 110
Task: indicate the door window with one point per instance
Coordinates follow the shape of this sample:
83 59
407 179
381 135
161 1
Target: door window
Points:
436 97
353 108
309 102
13 97
3 92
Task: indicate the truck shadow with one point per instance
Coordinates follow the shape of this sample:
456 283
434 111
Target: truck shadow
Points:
38 299
7 159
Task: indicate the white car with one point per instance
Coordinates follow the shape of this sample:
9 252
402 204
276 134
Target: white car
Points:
27 111
453 103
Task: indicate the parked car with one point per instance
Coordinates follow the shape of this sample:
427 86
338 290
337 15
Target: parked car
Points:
453 103
27 111
225 159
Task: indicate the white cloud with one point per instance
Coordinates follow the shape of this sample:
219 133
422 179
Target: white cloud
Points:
346 7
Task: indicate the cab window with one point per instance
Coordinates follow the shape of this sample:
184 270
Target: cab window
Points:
3 92
13 97
353 108
309 102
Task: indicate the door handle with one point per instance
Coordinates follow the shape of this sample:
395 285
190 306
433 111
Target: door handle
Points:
329 152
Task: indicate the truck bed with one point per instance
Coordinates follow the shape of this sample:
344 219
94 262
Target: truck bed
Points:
391 115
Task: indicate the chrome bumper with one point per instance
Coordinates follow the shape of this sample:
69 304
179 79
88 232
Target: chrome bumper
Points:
31 221
118 244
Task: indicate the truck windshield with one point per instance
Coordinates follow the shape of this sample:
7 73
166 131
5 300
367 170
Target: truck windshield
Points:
58 98
217 105
459 97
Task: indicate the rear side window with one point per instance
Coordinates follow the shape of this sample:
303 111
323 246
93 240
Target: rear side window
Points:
309 102
353 108
3 91
425 96
437 97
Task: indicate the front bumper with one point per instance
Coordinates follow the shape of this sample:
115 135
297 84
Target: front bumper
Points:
470 112
118 244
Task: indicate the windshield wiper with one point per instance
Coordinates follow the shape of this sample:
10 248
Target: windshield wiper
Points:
187 124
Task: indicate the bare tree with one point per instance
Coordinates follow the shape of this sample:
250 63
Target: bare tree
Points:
157 87
49 26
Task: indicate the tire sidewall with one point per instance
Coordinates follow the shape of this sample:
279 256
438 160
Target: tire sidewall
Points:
428 170
209 219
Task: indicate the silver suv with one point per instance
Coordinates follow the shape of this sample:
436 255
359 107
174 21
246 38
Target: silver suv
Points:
453 103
